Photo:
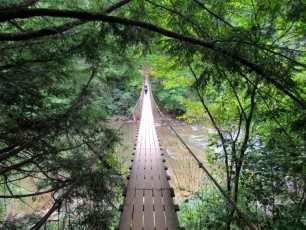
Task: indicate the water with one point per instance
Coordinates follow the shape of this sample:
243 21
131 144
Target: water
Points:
184 171
196 137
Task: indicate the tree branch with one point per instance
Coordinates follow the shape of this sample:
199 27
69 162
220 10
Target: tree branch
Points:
130 22
16 166
20 6
212 13
7 152
16 25
182 16
54 30
32 194
116 6
39 33
212 119
100 17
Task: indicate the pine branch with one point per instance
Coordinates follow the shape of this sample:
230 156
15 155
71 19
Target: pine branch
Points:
20 164
31 194
54 30
8 152
195 26
98 17
212 13
151 27
16 7
39 33
16 25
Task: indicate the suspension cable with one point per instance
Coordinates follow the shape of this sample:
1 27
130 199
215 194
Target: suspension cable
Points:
229 200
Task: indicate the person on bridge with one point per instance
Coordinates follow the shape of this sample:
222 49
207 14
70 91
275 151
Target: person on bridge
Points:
145 89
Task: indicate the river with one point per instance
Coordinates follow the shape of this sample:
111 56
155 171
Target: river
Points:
185 174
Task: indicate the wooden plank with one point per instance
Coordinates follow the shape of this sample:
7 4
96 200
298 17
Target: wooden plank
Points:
147 205
171 217
148 210
127 214
156 165
156 181
133 175
160 164
141 166
132 181
148 176
160 220
148 168
162 173
138 210
136 157
140 183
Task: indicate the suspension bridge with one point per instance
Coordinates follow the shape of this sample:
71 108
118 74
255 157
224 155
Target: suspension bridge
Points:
148 200
157 180
150 194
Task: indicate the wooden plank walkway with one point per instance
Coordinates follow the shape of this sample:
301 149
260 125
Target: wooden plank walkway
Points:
148 203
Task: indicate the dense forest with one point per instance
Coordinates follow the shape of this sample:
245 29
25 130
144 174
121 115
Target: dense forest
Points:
66 67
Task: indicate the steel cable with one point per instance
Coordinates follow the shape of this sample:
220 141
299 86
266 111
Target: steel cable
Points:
225 195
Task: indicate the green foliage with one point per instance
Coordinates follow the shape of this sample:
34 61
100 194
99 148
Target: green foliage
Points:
170 99
169 85
260 130
56 93
204 210
238 64
26 221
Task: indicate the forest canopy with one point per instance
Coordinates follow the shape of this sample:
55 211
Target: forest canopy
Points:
64 66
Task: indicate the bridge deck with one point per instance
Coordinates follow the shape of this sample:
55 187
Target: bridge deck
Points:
148 202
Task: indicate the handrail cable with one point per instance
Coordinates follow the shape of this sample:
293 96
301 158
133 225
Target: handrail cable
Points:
229 200
58 202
